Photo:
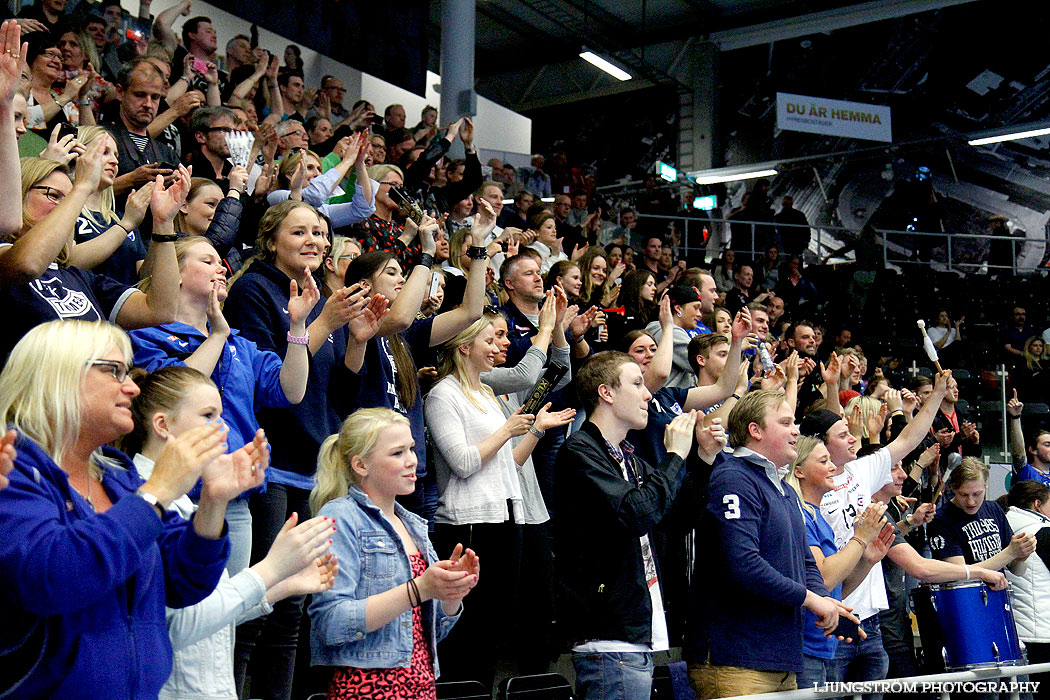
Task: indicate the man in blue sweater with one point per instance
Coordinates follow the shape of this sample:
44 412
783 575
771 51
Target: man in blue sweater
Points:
760 574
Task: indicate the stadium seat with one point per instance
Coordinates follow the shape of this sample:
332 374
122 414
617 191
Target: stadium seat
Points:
462 690
544 686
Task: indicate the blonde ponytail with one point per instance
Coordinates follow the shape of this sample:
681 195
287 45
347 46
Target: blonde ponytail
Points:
356 437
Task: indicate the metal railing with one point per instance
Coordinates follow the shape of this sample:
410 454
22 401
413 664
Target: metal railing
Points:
929 685
899 248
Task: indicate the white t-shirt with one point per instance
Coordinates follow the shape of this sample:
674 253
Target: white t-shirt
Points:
840 507
937 333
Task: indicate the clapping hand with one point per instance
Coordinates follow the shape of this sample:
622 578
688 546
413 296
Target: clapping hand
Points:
7 456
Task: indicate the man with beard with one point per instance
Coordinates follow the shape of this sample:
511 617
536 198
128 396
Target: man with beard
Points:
801 338
209 126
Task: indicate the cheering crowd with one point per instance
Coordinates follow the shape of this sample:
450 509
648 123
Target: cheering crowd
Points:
270 401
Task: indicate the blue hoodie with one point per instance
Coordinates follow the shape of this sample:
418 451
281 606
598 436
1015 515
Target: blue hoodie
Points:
92 586
248 378
258 307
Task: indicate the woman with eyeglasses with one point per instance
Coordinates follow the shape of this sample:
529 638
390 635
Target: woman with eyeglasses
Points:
340 254
382 231
98 554
48 106
39 280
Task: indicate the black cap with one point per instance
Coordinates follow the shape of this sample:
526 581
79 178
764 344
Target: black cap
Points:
818 423
681 294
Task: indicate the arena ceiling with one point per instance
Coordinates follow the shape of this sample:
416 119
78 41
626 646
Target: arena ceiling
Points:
527 51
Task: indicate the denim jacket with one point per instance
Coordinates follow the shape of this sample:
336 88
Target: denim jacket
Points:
372 559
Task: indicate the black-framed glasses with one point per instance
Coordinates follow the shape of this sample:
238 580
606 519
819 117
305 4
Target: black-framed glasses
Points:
51 193
119 370
223 129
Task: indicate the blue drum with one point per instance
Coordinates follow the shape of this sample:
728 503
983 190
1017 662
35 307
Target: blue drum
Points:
966 625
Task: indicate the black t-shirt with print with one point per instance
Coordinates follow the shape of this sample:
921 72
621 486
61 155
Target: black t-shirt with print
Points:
976 537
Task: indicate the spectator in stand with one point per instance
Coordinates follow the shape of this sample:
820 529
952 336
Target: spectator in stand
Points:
79 54
291 137
972 531
724 271
623 234
1013 335
799 294
686 304
534 179
290 83
517 216
211 155
251 379
140 88
548 244
477 460
332 92
740 295
380 231
638 299
380 360
603 487
266 306
366 624
1002 253
109 243
579 209
216 217
651 253
318 130
426 130
776 309
855 481
762 573
1031 462
45 15
199 41
399 143
792 227
377 146
342 251
1029 514
767 270
239 53
811 475
47 106
173 401
95 534
39 282
393 120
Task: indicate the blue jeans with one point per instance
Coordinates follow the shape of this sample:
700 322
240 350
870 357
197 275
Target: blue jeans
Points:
863 661
617 675
239 521
814 672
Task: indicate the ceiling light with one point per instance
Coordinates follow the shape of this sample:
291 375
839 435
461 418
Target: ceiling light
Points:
1009 137
599 62
702 179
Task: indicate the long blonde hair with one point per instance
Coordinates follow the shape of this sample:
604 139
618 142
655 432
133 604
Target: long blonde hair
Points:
357 437
40 386
804 447
452 363
868 407
107 200
34 171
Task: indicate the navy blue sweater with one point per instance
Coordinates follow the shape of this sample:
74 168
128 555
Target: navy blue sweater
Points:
258 308
749 590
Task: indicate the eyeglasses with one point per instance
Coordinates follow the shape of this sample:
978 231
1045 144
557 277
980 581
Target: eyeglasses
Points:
349 256
223 129
51 193
52 54
118 369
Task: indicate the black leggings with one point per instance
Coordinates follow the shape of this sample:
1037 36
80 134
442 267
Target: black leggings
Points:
470 650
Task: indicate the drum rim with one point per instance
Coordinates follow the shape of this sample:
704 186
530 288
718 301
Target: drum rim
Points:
986 665
951 585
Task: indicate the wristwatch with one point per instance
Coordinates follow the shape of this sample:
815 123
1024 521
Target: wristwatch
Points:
152 500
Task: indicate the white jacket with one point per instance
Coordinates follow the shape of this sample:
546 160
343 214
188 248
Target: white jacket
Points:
1031 591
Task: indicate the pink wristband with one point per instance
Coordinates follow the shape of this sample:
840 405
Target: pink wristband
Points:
299 339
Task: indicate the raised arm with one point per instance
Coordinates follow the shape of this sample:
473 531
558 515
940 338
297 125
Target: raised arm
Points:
448 324
14 54
700 397
1018 453
660 366
917 429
